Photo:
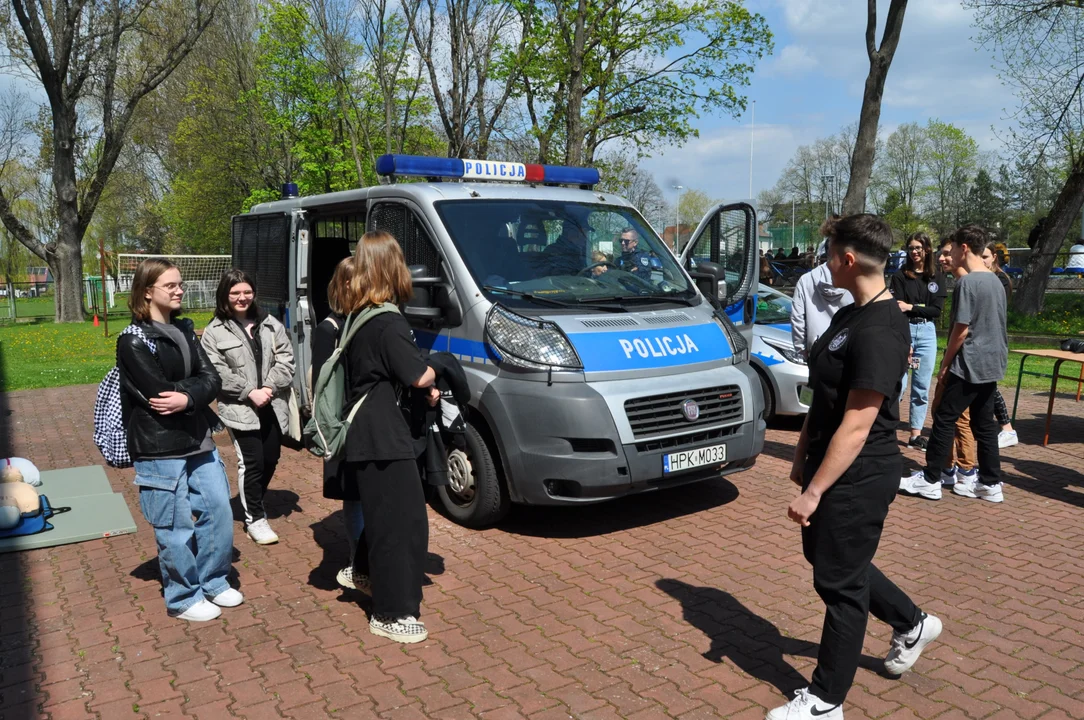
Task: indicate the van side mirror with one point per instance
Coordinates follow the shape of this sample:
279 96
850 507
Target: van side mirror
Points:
434 301
710 279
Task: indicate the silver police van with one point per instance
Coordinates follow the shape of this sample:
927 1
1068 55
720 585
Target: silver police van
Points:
599 363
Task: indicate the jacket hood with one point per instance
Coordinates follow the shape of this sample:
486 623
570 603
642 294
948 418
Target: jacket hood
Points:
822 281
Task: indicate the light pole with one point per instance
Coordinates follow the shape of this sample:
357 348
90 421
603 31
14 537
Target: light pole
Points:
677 218
828 181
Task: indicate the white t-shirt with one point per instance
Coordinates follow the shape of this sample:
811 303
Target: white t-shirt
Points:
1076 257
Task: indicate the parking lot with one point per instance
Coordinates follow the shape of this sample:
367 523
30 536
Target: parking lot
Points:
687 603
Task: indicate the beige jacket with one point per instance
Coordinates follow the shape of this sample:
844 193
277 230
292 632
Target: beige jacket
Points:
232 357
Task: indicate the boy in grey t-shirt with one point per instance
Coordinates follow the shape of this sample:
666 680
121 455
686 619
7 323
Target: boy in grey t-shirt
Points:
975 360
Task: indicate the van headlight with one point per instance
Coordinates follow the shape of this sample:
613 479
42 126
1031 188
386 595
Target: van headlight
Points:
734 337
786 350
529 343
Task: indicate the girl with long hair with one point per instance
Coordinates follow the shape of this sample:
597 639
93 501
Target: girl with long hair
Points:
919 289
253 355
166 393
383 362
992 258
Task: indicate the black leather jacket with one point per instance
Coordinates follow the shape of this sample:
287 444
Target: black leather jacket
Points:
144 375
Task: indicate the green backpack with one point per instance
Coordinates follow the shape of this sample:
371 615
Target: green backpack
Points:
325 432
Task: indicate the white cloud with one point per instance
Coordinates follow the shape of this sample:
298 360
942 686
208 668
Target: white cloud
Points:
792 61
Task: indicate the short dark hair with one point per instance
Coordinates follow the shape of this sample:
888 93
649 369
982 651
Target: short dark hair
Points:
867 235
231 277
945 241
972 235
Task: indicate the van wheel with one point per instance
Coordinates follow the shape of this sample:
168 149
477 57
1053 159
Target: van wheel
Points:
769 398
475 496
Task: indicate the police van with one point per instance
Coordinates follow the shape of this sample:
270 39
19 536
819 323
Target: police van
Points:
599 363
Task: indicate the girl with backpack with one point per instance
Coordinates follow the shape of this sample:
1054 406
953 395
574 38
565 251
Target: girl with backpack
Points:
252 353
167 385
324 338
382 363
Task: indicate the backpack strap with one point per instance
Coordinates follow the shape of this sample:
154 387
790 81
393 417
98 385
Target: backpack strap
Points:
354 322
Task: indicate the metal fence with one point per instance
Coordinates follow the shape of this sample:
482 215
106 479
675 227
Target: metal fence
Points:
27 301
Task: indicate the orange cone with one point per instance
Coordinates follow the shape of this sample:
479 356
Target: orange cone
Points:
95 321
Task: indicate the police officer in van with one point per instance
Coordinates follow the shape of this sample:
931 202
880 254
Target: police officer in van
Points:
633 260
847 463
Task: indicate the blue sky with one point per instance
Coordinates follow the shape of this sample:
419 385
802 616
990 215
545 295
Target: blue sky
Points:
812 86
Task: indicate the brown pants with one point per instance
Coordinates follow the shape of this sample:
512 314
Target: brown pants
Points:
963 455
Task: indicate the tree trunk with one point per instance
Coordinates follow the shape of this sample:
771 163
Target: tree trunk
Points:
68 255
1028 298
574 118
880 59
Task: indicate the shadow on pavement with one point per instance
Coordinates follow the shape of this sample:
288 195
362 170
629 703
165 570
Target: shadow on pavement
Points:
622 514
1054 482
277 503
749 641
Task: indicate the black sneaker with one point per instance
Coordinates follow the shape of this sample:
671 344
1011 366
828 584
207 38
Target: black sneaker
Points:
918 443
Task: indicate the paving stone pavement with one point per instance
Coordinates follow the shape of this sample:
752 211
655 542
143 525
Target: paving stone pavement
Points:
688 603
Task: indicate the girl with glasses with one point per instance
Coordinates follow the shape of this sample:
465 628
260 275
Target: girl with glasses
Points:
167 386
252 353
919 289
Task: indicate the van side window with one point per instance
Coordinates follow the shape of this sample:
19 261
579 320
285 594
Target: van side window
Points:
260 247
418 247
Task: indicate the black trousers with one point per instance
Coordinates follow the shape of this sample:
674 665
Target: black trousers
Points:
393 547
840 543
960 395
257 457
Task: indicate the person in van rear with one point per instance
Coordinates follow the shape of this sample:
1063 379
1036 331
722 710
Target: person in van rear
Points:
383 361
253 355
165 396
324 338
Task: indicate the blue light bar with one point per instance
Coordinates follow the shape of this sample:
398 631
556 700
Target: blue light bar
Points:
468 169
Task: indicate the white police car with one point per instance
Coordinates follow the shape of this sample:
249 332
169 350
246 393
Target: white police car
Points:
782 369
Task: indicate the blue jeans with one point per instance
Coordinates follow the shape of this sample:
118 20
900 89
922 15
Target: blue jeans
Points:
924 342
187 501
355 524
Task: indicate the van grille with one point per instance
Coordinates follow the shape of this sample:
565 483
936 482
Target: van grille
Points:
609 322
659 414
664 318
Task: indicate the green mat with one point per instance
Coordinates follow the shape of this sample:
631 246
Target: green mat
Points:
96 511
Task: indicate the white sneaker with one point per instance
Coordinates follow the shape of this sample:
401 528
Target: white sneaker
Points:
948 477
200 612
1007 438
347 578
229 598
261 532
806 706
407 629
906 647
915 484
989 493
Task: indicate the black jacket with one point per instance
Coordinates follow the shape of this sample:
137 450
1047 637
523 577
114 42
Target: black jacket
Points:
426 427
144 374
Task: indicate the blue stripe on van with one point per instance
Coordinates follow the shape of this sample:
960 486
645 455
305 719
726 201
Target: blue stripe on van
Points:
648 349
465 350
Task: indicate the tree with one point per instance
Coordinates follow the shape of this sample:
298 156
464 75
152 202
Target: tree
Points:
96 60
983 207
901 166
621 174
949 157
592 72
815 175
880 59
1039 42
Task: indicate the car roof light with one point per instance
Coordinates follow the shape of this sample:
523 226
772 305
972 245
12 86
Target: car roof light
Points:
469 169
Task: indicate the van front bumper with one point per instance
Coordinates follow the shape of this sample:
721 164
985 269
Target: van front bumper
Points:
560 445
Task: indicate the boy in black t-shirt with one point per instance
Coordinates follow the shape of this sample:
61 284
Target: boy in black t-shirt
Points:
846 463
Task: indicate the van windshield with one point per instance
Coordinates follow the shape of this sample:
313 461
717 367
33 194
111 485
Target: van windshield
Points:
525 251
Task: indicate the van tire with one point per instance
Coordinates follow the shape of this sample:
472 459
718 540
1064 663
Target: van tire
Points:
490 502
769 397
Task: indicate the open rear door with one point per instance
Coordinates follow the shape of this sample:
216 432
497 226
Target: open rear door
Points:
726 240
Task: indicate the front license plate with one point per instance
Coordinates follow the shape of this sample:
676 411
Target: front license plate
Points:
688 459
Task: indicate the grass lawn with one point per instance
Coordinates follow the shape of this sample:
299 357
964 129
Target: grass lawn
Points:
1063 314
1027 382
47 354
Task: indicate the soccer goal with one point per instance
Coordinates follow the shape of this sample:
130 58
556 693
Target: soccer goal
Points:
201 274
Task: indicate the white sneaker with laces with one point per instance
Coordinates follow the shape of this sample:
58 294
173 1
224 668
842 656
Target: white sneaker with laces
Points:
200 612
229 598
806 706
347 578
915 484
261 533
407 629
906 647
989 493
1007 438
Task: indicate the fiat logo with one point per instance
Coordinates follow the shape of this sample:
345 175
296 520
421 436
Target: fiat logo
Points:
690 410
